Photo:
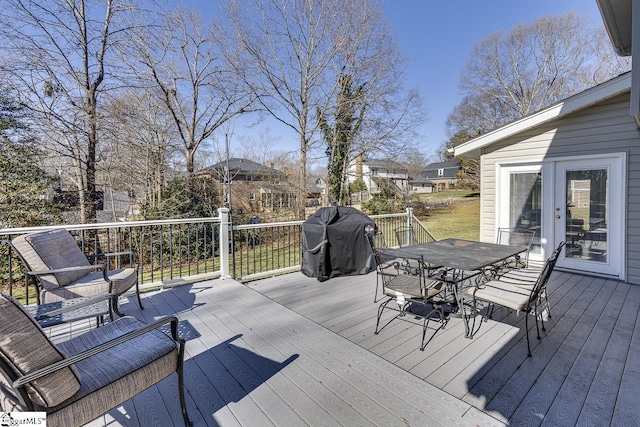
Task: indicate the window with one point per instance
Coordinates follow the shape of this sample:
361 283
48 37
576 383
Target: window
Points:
249 178
252 196
440 172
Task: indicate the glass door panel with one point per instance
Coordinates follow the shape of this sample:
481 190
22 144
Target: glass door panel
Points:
525 204
586 227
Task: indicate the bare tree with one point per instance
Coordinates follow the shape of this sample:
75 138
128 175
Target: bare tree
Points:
56 55
300 48
261 148
197 75
606 63
142 132
510 75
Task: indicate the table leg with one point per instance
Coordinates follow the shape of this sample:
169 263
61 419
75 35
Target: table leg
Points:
457 280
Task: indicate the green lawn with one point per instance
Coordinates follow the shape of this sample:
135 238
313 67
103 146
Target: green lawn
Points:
461 219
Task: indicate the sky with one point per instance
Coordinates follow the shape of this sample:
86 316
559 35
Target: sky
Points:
438 36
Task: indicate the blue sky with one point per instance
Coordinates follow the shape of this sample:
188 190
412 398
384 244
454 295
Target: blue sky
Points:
437 36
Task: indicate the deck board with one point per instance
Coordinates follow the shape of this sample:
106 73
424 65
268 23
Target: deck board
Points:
626 411
317 343
583 371
570 398
292 351
252 362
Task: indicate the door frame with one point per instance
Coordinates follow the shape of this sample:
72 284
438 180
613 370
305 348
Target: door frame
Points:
551 233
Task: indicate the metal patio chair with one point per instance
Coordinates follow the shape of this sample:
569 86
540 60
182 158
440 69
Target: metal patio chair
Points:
60 270
410 293
377 241
77 380
516 237
407 236
518 297
525 278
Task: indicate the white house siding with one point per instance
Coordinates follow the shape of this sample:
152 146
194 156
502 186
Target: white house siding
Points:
422 189
603 128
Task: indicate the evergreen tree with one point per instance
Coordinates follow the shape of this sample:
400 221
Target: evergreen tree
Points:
24 185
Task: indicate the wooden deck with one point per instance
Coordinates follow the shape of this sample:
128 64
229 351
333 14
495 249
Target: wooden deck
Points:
303 352
253 362
584 371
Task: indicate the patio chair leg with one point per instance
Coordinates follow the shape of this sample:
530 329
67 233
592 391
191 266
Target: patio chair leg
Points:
546 299
489 313
426 324
138 295
526 327
183 405
375 297
424 332
380 310
472 327
541 319
115 308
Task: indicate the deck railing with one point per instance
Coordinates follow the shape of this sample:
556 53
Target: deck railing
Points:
188 250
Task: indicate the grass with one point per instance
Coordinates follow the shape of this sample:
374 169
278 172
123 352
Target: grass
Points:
460 220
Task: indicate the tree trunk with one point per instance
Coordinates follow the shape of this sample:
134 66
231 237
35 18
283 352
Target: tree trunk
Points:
302 193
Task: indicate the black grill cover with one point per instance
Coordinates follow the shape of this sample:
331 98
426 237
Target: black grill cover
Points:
334 243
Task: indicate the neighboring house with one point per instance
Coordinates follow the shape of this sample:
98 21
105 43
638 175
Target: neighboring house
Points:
316 192
443 175
254 186
244 170
274 196
418 184
570 172
113 206
378 174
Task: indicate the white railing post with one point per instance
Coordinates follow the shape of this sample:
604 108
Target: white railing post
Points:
409 238
224 242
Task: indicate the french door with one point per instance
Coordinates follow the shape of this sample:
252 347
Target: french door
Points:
579 201
589 214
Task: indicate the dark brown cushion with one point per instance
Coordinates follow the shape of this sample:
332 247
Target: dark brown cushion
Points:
25 348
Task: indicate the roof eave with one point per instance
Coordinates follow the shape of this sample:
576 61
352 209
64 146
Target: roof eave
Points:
617 18
580 101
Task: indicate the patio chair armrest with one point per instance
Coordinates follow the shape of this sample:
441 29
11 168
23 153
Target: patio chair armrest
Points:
47 370
102 267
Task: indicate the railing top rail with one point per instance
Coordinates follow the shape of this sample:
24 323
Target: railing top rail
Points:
299 222
22 230
266 225
395 215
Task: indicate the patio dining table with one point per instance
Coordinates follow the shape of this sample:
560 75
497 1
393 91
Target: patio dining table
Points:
460 260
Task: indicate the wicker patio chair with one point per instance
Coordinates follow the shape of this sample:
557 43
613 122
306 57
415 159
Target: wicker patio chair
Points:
78 380
60 270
